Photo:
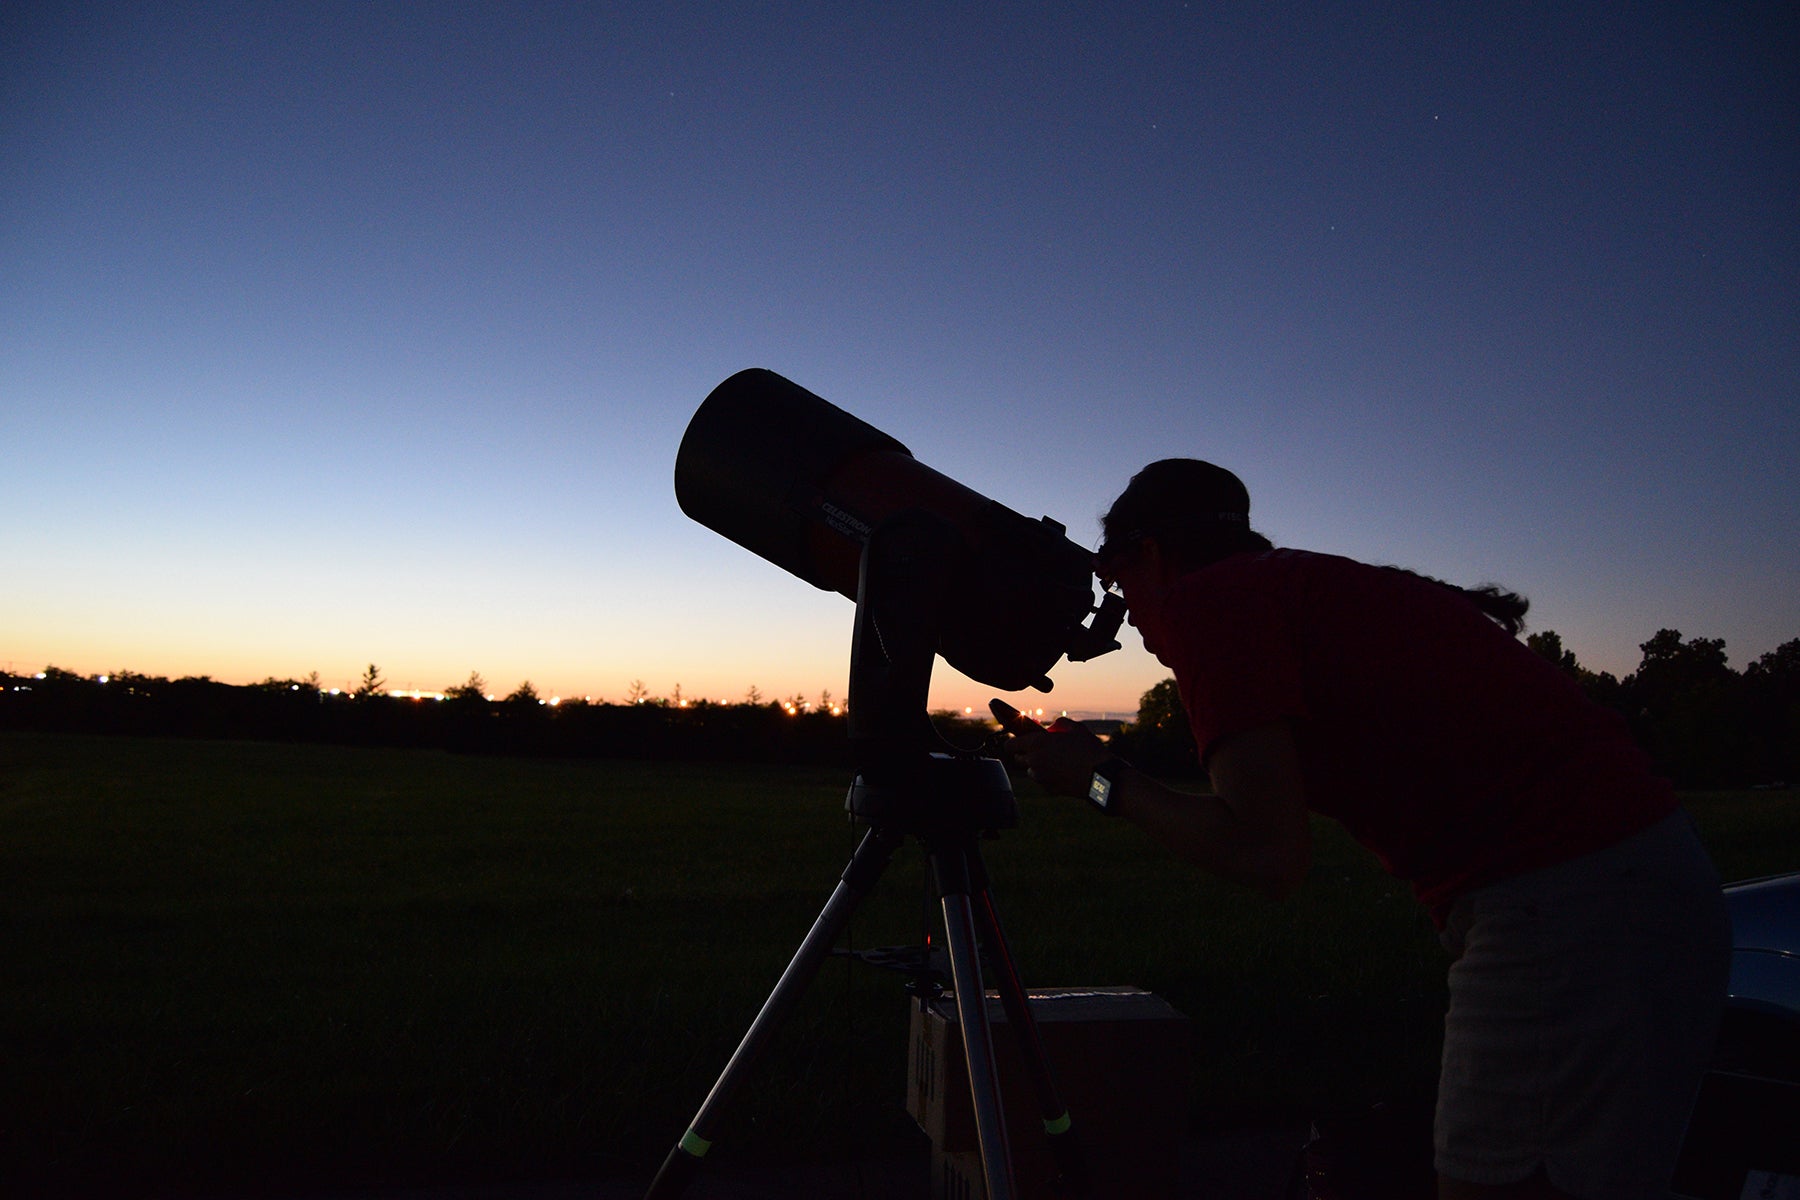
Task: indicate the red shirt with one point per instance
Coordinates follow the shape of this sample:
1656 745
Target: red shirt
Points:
1449 748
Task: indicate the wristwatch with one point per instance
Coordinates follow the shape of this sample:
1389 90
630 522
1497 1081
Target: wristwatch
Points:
1100 787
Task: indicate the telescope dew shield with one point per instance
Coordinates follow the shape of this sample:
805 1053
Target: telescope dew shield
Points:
796 480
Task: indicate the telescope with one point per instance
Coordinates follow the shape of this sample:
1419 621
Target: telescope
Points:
802 483
935 568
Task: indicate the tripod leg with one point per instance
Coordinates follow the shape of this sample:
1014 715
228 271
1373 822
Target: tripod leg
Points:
870 859
950 864
1063 1143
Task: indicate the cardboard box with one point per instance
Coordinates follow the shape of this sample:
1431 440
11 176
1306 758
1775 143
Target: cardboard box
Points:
1120 1057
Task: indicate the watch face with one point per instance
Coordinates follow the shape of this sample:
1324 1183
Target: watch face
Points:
1099 790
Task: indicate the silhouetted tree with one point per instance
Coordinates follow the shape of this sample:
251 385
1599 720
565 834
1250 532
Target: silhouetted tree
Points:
1602 687
1781 663
1549 645
1686 706
636 692
1161 739
474 689
1772 692
372 683
1671 666
1704 724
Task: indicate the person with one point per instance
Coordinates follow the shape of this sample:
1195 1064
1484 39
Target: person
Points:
1584 921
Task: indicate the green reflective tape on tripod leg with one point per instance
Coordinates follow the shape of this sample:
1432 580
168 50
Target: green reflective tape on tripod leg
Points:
693 1145
1056 1125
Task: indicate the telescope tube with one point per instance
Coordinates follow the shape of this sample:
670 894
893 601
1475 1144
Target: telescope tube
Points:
802 483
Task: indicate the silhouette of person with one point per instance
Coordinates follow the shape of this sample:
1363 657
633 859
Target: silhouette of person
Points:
1585 923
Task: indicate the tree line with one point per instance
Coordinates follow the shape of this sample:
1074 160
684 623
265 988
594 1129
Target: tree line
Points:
465 718
1704 724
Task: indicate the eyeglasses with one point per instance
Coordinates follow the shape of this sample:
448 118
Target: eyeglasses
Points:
1112 551
1113 547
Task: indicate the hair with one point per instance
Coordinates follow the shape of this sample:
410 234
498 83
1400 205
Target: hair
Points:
1506 609
1200 513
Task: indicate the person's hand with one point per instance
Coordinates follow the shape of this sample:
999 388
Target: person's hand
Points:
1061 757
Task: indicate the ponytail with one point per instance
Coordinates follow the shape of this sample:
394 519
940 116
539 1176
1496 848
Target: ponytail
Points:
1506 609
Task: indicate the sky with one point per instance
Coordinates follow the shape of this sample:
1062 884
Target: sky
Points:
346 333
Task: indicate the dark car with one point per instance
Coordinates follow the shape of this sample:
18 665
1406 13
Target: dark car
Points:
1744 1140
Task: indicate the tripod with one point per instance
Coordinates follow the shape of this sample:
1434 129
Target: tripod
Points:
977 786
907 789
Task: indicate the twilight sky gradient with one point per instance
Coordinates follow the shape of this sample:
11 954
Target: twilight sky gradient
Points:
334 333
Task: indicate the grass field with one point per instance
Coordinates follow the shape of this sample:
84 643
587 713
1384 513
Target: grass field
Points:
268 967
